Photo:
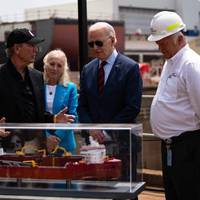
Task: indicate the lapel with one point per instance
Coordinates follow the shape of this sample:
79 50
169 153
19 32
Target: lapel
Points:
59 99
36 88
113 74
55 100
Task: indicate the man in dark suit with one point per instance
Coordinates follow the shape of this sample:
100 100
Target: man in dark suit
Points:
119 100
22 89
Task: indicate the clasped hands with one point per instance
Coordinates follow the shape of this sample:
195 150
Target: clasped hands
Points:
101 136
98 135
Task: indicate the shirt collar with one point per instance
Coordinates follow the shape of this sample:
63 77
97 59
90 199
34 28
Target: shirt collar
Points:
178 54
111 58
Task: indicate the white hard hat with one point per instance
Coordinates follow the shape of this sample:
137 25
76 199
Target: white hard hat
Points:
165 23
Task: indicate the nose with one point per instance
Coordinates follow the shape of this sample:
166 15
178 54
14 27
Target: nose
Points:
53 67
95 46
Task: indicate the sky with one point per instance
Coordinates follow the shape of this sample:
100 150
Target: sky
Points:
13 9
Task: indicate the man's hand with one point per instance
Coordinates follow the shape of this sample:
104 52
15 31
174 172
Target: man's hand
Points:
3 133
97 135
62 117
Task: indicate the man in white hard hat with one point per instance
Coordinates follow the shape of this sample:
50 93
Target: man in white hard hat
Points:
175 110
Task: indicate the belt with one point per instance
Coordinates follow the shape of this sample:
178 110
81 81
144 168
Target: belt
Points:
181 137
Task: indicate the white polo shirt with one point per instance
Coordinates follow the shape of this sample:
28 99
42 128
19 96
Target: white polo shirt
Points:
176 105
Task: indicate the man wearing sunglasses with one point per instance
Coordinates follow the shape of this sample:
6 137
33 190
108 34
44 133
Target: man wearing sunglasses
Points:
119 99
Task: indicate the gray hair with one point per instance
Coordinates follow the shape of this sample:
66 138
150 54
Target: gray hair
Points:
104 25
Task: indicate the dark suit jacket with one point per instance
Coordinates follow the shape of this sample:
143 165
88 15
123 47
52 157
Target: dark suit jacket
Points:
121 99
10 105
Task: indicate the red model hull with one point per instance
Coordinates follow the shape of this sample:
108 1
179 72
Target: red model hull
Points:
69 168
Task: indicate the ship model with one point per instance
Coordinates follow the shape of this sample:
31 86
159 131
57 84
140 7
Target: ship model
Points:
58 165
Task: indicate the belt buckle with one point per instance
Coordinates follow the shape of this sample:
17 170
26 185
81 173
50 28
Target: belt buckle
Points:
168 141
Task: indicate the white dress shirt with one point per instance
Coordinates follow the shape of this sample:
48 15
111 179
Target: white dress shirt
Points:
176 105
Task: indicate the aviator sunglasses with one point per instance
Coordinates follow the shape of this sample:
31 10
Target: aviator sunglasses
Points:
98 43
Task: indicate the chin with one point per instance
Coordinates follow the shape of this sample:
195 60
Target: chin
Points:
99 55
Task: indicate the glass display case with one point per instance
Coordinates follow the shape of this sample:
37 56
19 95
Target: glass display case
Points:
109 169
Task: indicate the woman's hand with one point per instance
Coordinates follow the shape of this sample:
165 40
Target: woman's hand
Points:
62 117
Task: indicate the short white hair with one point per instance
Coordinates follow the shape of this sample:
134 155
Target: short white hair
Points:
104 25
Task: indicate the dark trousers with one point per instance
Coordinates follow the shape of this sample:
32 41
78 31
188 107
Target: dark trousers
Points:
182 176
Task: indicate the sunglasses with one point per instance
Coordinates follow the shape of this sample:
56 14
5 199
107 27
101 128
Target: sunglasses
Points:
98 43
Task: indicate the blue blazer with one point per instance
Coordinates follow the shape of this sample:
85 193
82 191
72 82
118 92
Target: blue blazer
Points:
66 97
121 98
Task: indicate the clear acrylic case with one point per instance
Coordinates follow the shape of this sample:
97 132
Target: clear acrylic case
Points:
111 170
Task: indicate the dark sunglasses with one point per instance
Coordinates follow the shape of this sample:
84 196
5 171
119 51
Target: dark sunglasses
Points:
98 43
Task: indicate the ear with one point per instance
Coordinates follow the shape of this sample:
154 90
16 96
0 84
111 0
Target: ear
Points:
114 40
180 39
16 48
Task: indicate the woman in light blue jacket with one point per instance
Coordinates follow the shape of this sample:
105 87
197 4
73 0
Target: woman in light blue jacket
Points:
60 94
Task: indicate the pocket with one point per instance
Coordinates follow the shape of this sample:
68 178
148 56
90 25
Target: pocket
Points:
170 90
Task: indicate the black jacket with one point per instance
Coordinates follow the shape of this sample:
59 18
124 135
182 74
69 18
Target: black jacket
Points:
11 106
